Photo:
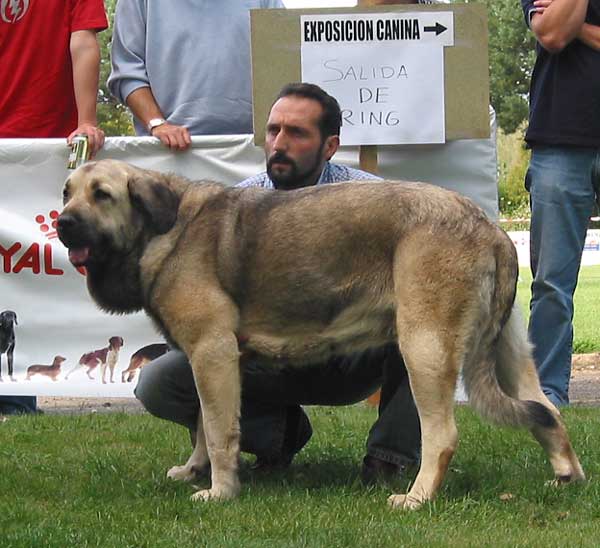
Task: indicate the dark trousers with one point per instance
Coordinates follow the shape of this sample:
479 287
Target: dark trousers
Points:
273 393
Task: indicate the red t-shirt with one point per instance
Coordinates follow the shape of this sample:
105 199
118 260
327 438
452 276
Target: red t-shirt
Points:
37 98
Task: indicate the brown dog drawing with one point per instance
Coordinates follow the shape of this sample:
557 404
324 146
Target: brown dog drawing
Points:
141 357
50 371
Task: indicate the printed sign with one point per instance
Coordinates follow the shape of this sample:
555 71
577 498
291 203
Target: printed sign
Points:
386 70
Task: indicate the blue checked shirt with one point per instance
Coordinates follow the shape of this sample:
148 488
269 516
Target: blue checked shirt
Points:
332 173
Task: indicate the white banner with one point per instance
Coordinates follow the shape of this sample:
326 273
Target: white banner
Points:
56 320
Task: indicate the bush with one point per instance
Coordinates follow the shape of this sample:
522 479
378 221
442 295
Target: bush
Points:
513 160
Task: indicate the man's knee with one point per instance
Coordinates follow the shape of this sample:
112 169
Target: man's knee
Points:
148 388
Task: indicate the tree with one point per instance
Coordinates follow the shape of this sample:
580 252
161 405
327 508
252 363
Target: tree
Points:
113 117
511 57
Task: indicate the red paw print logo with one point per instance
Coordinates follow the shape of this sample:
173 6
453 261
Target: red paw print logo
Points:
48 226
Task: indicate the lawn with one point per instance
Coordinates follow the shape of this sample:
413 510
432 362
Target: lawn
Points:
587 307
99 480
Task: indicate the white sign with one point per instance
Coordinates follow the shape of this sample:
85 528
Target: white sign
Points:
386 70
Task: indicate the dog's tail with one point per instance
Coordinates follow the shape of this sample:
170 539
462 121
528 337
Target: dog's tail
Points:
502 370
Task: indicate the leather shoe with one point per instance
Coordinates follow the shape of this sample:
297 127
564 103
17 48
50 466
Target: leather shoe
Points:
264 464
375 470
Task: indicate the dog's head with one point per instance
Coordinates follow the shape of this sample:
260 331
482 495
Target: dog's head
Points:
7 319
111 208
115 342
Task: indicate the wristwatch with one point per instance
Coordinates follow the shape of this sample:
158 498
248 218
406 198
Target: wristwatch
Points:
155 122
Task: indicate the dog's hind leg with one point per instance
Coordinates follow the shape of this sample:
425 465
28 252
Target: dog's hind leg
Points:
433 372
75 368
518 378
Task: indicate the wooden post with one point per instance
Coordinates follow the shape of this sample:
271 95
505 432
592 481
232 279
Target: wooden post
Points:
367 154
367 159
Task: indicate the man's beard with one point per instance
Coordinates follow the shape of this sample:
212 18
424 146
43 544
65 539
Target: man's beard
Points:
294 178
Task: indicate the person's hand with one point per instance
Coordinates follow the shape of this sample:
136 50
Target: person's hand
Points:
172 136
541 5
95 136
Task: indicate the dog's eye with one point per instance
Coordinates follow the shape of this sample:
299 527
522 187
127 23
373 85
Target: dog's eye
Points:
65 196
101 195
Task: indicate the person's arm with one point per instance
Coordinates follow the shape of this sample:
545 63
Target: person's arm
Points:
557 22
128 80
144 107
590 35
85 57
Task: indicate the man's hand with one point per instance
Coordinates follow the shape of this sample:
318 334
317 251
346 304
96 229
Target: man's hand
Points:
95 136
541 5
557 22
85 56
144 107
172 136
590 35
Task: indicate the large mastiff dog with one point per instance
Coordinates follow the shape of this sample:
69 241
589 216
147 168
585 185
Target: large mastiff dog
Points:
304 274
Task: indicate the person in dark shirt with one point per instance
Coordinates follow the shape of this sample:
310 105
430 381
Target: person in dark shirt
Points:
564 173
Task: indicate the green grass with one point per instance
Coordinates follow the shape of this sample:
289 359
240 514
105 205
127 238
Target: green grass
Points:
587 303
99 480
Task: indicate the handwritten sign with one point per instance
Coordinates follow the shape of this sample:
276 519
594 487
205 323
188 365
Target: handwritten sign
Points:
385 69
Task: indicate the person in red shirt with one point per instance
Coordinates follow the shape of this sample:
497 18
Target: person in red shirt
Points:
49 70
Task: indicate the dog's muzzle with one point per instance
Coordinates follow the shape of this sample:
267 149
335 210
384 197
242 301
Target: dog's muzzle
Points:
72 234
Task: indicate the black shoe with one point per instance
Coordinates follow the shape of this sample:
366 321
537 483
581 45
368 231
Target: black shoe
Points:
375 470
271 464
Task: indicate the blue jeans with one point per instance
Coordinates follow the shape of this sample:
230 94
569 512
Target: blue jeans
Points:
561 182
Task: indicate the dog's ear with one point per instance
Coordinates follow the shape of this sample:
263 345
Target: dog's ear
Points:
156 201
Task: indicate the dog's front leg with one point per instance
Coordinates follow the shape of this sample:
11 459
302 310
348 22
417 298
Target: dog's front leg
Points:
215 363
198 459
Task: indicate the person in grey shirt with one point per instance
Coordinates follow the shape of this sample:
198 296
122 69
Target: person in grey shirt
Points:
183 68
302 135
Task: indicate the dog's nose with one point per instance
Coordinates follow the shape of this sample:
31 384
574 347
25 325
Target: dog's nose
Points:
66 222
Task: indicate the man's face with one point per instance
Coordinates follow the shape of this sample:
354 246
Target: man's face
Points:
294 149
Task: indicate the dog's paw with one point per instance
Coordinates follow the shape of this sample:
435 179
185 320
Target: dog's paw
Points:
559 481
404 502
182 473
215 493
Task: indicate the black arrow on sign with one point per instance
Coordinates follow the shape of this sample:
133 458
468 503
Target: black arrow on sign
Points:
438 29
